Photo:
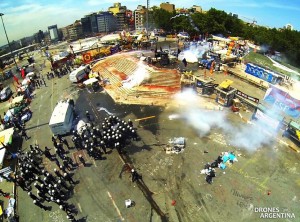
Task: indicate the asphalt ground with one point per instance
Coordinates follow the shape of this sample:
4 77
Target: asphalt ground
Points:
272 169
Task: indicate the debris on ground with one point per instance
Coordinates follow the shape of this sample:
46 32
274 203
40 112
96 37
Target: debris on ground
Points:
176 145
224 159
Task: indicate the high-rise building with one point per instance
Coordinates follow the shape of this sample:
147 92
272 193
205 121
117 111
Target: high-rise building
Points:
140 16
167 6
121 21
117 8
65 32
75 30
130 19
39 36
86 25
197 8
106 22
53 33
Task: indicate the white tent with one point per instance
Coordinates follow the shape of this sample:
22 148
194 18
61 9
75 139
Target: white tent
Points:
5 138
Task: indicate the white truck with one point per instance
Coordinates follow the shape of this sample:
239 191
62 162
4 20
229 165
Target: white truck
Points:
62 117
78 74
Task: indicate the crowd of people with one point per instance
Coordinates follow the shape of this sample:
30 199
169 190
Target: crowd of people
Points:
44 185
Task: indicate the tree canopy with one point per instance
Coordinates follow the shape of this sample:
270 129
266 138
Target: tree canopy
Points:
219 22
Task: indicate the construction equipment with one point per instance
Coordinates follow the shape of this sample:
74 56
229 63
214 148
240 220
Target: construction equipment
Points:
293 131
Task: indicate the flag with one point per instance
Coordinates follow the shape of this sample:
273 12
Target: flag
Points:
16 79
23 73
184 62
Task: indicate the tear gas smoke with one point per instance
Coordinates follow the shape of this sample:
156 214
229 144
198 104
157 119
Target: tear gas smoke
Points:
248 136
137 77
194 52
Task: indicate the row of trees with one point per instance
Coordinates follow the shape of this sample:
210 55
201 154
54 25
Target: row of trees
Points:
219 22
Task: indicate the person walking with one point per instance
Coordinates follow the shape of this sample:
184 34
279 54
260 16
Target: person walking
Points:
38 203
82 160
69 178
88 116
24 134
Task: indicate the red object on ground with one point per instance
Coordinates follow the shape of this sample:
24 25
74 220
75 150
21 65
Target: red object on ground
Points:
173 202
269 192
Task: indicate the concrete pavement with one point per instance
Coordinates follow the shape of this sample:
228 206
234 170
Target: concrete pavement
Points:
101 193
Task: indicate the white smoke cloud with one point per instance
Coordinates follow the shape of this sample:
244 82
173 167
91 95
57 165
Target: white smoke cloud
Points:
194 52
137 77
248 136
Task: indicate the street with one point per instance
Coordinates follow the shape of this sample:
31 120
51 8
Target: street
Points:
173 188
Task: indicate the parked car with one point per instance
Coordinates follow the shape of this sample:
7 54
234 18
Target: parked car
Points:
5 93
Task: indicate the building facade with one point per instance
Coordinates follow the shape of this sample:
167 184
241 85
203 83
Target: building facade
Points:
53 31
121 20
75 31
197 8
140 17
86 25
167 6
106 22
65 33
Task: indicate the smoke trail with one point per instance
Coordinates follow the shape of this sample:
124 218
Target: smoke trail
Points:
248 136
190 20
137 77
104 109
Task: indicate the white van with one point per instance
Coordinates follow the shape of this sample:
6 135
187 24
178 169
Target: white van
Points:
62 118
78 74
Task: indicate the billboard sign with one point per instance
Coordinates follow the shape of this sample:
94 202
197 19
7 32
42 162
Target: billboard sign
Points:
267 120
261 73
283 101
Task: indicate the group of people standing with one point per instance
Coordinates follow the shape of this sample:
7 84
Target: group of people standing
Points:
53 186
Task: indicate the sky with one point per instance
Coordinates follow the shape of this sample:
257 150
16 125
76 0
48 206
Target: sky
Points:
25 17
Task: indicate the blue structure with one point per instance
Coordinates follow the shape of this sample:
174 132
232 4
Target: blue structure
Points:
263 74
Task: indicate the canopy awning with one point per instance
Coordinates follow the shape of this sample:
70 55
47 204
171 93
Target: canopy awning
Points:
225 84
6 136
17 99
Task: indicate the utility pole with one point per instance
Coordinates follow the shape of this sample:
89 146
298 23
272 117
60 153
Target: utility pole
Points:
1 14
147 16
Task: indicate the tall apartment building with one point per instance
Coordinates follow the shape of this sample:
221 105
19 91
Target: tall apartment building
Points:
116 8
75 31
197 8
65 32
168 7
140 17
130 19
53 31
106 22
121 20
89 24
86 25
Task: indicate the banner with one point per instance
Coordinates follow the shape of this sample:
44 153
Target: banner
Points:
283 101
246 96
261 73
272 123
